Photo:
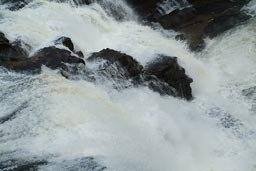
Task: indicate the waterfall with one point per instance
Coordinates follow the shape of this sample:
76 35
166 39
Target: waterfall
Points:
51 123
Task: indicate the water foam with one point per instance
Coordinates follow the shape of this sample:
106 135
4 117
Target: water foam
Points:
133 129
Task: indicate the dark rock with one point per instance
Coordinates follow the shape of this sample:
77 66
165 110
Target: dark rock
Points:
24 48
167 70
144 8
216 6
153 83
8 51
80 54
65 41
177 18
180 37
206 18
20 165
15 5
196 43
14 57
77 164
53 57
84 2
50 56
163 75
223 23
131 66
78 2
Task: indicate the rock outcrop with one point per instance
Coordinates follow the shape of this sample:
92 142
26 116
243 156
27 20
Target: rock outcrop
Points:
204 18
163 75
13 57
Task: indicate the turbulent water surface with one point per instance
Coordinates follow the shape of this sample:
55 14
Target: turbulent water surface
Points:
59 124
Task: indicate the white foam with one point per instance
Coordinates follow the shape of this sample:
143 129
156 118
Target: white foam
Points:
133 129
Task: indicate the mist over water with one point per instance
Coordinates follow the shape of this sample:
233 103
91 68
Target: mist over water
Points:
66 121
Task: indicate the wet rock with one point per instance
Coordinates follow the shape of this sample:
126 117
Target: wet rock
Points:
50 56
216 6
224 22
54 58
177 18
131 66
80 54
163 75
78 164
78 2
14 57
153 83
19 165
204 18
15 5
146 9
167 70
65 41
8 51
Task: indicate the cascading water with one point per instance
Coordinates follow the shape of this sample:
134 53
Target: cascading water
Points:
167 6
66 125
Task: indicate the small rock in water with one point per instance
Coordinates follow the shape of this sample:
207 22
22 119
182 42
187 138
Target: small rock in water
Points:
65 41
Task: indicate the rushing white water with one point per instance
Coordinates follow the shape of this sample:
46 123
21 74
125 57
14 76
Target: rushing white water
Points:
60 120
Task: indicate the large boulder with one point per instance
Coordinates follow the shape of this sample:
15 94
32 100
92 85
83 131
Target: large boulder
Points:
167 70
163 75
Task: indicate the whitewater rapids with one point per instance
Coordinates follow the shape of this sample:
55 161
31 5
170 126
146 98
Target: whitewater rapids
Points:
62 120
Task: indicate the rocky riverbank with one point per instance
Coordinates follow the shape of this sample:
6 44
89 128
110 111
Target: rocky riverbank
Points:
199 20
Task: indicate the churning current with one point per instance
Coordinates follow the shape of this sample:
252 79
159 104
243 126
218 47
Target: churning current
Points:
56 124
